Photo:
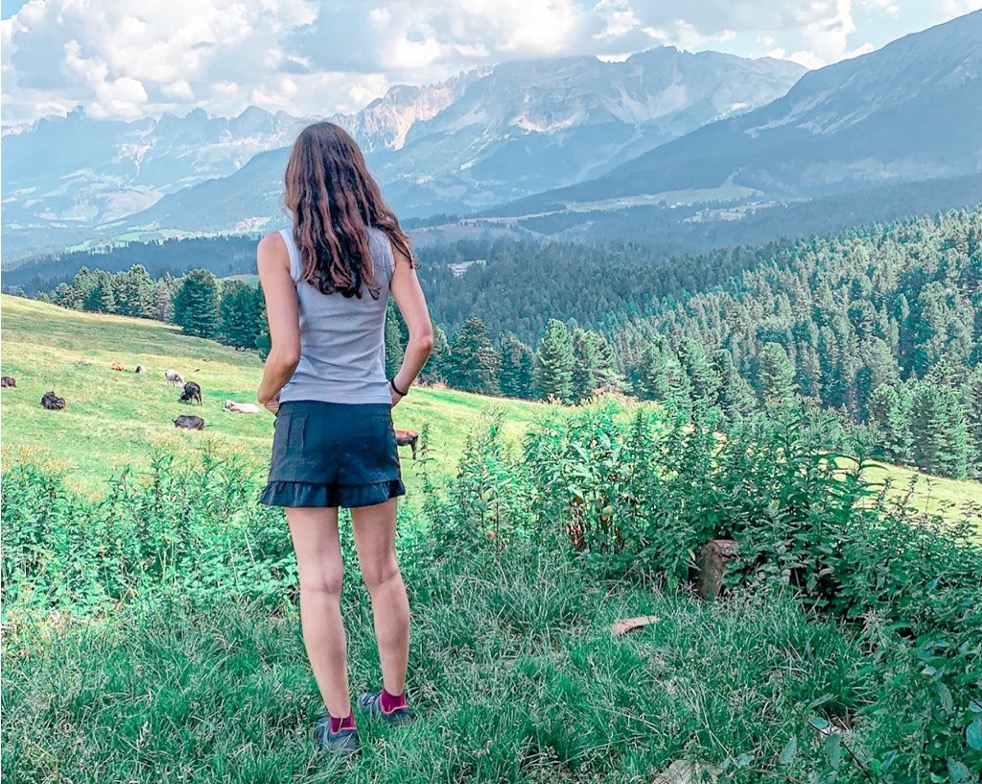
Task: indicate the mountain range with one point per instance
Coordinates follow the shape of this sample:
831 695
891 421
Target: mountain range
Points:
693 149
65 176
907 113
479 139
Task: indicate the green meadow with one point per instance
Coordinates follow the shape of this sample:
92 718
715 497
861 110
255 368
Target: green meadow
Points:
151 631
115 419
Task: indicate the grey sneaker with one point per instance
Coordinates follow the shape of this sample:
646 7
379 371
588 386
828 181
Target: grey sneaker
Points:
343 743
372 702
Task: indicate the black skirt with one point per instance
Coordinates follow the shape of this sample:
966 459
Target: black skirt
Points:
333 454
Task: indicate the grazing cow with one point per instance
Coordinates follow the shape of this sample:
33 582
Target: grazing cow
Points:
117 366
8 381
407 438
140 369
173 378
191 393
241 408
190 422
52 402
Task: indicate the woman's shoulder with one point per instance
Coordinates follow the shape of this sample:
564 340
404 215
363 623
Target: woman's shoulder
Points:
272 251
271 243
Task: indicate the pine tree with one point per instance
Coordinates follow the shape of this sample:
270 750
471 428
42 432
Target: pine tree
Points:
940 431
241 309
196 304
585 367
134 292
396 338
608 369
394 347
552 374
889 410
83 283
476 364
704 379
974 419
100 297
660 376
67 296
735 396
162 307
517 362
438 365
775 375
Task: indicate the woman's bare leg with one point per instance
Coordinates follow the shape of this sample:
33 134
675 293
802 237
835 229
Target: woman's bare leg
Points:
375 540
321 567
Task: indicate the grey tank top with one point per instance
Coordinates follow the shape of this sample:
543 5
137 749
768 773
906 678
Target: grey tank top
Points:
342 339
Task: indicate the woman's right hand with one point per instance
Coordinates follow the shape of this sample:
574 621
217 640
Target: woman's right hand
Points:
273 404
396 397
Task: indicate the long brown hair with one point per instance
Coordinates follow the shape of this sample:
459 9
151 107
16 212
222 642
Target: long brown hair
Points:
334 201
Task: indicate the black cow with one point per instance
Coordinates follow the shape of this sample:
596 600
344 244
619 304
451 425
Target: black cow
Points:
190 422
7 381
52 402
191 393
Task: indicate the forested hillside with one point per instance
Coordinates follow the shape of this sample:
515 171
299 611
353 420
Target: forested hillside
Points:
882 324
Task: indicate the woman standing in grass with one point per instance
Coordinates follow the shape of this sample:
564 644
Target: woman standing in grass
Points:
326 283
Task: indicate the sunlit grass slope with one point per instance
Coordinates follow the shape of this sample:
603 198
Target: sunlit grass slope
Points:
114 419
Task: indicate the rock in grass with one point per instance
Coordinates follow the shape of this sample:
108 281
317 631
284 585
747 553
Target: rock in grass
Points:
682 772
711 566
625 625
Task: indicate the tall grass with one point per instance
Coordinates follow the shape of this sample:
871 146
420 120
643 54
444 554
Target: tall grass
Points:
849 648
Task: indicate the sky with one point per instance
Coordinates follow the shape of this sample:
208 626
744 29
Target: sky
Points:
312 58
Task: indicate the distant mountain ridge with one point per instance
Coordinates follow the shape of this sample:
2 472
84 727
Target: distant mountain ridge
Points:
481 138
73 173
905 113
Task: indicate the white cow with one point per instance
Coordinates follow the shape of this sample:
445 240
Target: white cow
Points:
241 408
173 378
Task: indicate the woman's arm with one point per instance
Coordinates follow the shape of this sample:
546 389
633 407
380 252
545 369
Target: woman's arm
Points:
283 315
409 298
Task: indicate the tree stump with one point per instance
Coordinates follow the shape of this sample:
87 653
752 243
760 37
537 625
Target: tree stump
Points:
711 566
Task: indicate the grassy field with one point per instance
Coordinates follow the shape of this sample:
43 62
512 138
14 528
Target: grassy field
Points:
515 675
115 419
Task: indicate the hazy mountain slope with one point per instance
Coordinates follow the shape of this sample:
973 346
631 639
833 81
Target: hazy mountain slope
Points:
64 176
490 136
910 111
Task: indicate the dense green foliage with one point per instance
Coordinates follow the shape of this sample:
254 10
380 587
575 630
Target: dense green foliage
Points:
841 321
848 650
883 325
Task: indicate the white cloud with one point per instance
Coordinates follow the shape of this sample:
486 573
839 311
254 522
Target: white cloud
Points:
959 7
316 57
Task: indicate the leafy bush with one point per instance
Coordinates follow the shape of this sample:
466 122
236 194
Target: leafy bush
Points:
192 524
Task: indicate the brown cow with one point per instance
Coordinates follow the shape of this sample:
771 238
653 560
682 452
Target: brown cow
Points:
52 402
407 438
8 381
117 366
